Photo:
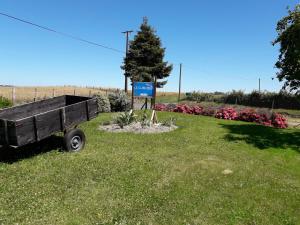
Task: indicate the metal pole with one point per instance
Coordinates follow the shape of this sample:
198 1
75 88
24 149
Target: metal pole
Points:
132 96
179 91
259 85
127 46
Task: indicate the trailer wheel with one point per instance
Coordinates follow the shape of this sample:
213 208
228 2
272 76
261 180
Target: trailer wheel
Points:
74 140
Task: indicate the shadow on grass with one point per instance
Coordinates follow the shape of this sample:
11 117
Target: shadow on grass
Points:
263 137
10 155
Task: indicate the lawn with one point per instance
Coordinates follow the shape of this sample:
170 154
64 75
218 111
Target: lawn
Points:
170 178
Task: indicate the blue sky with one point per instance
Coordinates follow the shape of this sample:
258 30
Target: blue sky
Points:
223 45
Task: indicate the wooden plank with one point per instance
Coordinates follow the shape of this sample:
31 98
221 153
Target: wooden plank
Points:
47 124
25 131
75 114
62 119
31 109
93 108
4 133
87 110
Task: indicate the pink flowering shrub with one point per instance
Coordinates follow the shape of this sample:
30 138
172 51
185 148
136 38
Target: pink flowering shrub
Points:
247 115
279 121
226 114
160 107
197 110
183 109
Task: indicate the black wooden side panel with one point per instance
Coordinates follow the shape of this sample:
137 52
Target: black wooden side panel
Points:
2 132
9 133
25 131
75 114
93 108
47 124
71 99
30 109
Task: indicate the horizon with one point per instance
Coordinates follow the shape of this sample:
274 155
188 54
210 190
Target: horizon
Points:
230 51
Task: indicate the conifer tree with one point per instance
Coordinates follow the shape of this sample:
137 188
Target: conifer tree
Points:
144 60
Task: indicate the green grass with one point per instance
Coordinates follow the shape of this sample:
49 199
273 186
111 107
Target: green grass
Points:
170 178
169 98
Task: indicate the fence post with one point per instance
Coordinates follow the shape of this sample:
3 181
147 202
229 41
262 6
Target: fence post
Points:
13 95
90 93
74 91
35 94
53 93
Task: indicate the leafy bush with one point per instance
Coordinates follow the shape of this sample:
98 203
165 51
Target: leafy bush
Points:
279 121
103 103
125 118
119 101
169 122
274 100
227 114
249 115
265 118
144 120
160 107
4 102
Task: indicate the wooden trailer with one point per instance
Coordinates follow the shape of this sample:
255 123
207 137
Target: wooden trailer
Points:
32 122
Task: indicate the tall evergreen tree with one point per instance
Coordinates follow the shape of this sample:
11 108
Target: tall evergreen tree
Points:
144 60
288 29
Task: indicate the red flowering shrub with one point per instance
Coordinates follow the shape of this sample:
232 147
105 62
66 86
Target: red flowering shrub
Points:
197 110
226 114
264 120
279 121
183 109
208 112
248 115
160 107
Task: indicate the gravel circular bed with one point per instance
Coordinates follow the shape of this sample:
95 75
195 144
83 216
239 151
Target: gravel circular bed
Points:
137 128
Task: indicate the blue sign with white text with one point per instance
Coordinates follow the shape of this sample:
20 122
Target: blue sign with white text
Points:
143 89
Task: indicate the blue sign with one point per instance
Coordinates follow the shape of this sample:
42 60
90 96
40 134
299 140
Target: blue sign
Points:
143 89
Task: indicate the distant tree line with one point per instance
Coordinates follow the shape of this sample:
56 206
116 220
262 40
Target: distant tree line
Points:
283 99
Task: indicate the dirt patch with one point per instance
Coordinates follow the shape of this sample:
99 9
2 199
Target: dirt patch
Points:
138 128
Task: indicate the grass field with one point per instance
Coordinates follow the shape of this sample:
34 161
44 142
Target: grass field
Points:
28 94
170 178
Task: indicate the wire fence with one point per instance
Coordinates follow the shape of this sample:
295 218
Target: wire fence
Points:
19 95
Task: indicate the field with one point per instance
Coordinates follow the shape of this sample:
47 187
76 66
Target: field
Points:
170 178
28 94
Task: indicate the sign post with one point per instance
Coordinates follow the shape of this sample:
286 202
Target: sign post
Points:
143 90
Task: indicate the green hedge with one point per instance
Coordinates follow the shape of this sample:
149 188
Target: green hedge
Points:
274 100
4 102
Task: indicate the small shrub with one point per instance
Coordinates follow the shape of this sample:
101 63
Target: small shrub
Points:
119 101
103 103
4 102
249 115
279 121
144 120
208 112
183 109
160 107
227 114
169 122
125 118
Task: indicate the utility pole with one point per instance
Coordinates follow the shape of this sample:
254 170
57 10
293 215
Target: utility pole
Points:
259 85
127 45
179 91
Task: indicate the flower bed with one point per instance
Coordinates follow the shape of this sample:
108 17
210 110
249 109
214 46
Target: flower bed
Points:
248 115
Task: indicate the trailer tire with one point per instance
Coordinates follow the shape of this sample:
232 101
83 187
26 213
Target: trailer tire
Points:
74 140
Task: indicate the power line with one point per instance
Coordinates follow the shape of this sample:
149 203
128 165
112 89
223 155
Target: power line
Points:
60 33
